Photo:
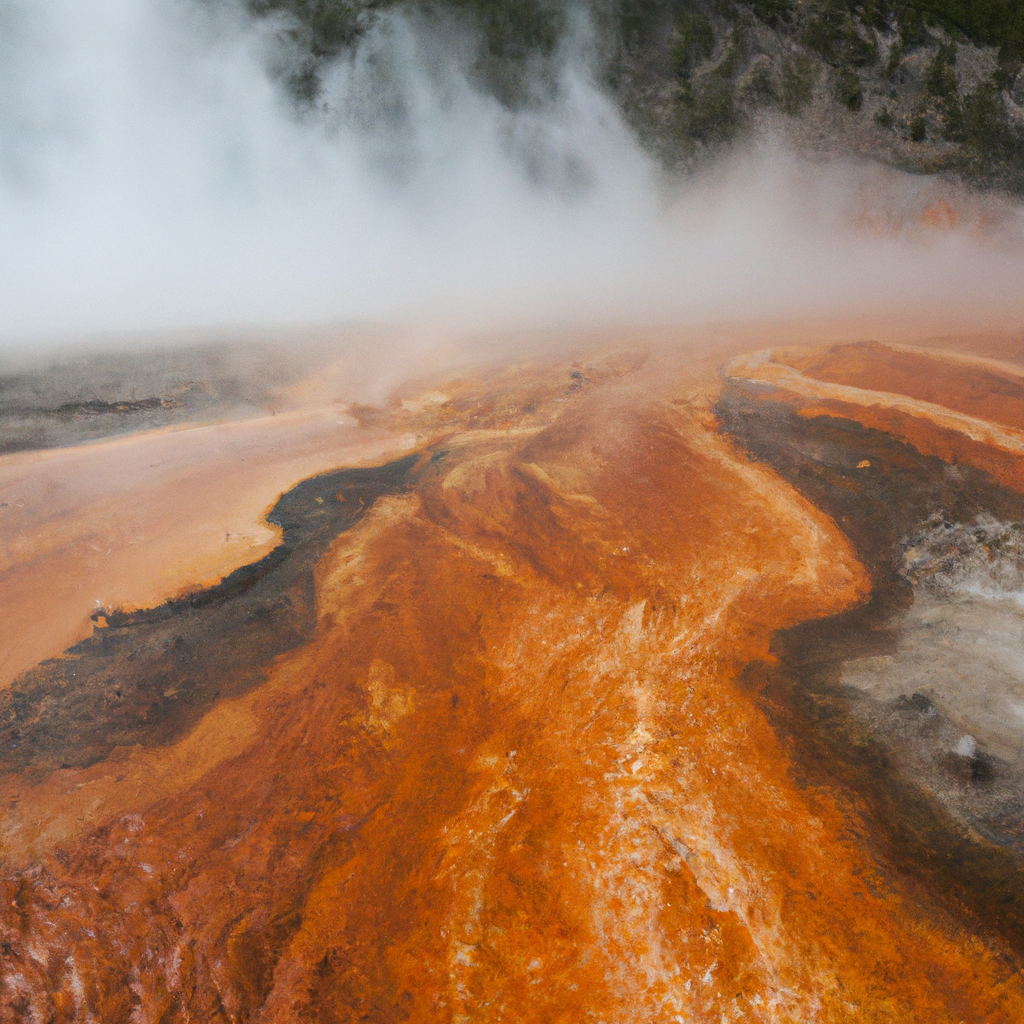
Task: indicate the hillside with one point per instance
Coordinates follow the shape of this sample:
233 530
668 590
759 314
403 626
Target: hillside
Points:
927 85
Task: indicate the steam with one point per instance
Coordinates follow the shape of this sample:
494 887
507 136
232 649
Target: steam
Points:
154 176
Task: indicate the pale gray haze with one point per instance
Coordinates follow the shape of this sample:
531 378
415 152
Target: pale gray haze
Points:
154 176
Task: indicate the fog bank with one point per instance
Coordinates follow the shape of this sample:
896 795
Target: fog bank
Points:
154 176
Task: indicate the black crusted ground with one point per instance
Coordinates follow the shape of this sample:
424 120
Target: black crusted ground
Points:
146 676
839 736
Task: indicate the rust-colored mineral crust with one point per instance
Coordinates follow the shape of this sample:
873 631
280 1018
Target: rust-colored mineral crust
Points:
513 773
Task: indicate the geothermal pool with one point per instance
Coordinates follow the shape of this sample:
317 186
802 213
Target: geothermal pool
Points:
626 684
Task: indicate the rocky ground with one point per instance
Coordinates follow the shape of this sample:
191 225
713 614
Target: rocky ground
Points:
66 400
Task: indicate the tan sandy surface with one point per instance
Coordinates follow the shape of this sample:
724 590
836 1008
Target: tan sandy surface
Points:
133 521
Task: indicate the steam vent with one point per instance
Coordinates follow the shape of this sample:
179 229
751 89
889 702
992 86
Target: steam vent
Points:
632 687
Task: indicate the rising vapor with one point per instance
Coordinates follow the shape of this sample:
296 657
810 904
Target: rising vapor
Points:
155 175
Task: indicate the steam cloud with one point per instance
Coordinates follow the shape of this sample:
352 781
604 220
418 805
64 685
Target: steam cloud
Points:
153 175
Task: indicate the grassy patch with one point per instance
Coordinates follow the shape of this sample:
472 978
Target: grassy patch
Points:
832 33
940 79
710 116
797 84
694 41
849 91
